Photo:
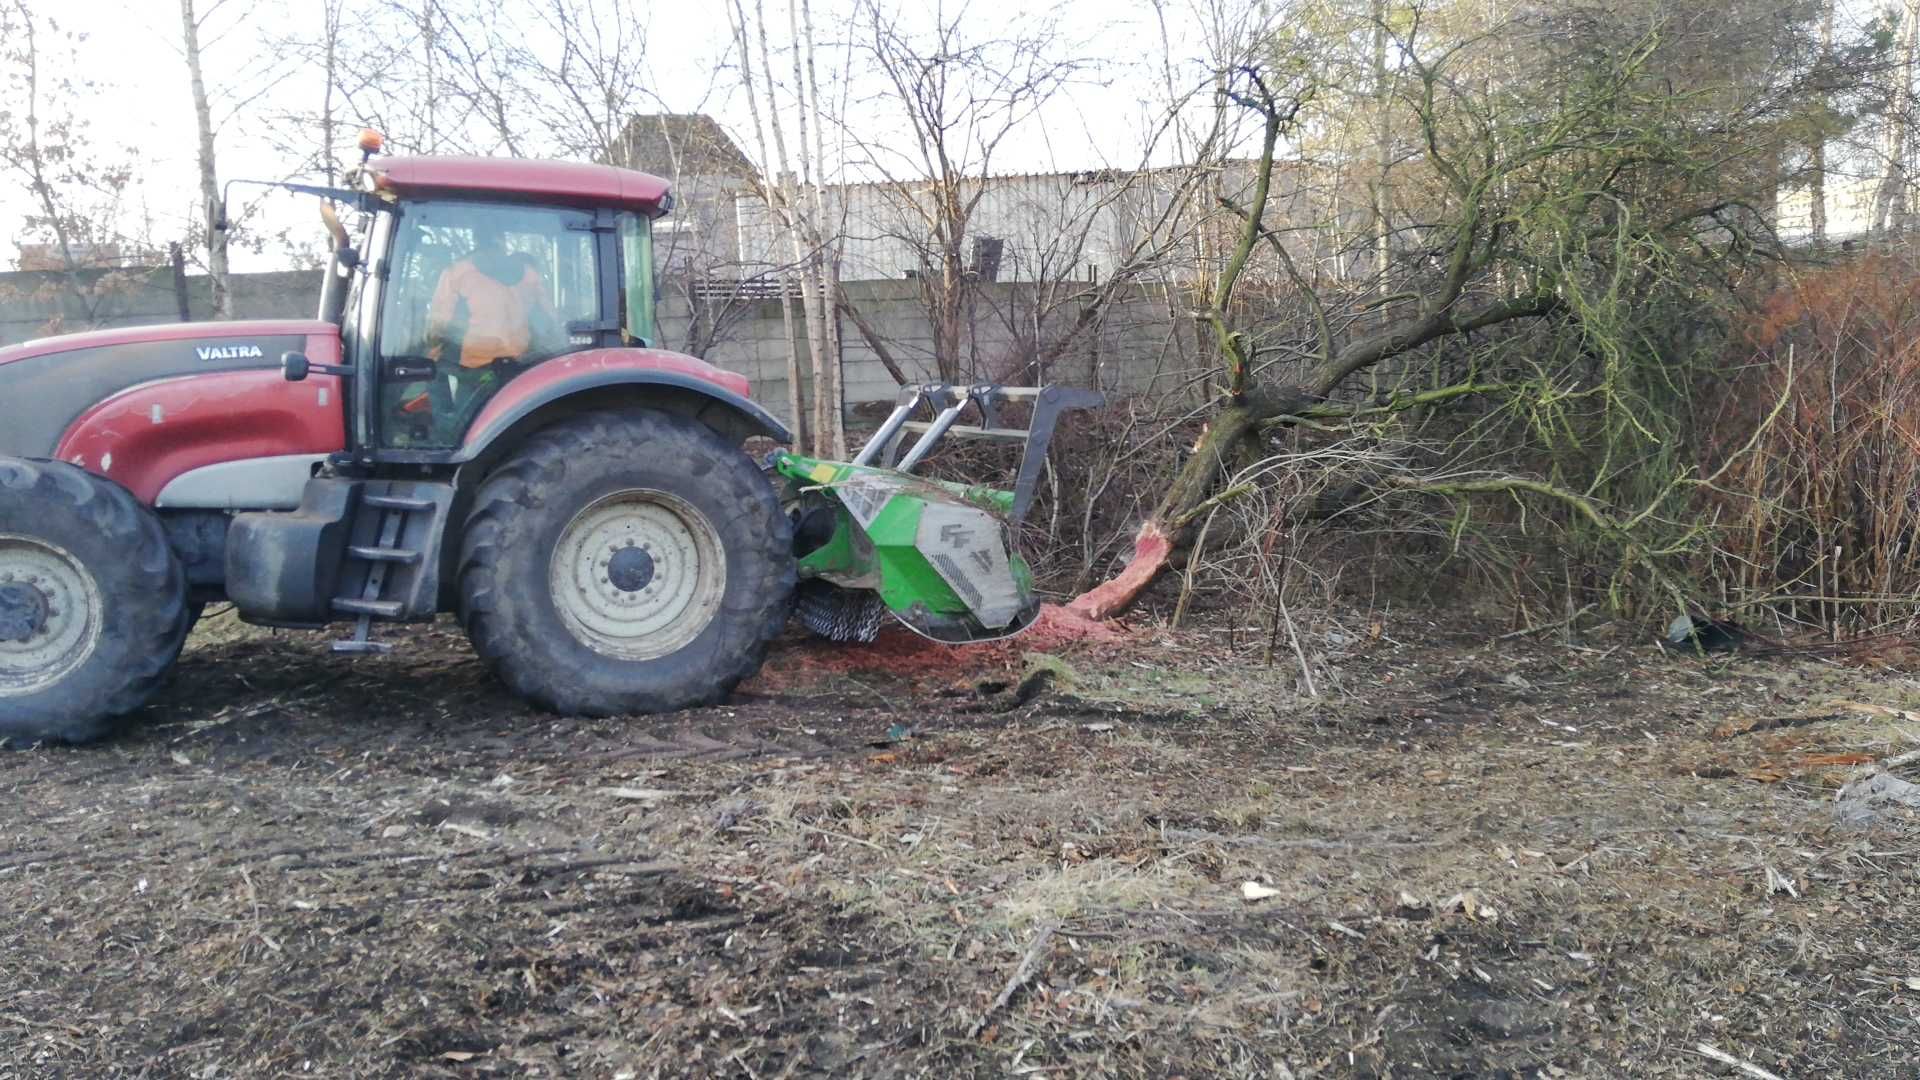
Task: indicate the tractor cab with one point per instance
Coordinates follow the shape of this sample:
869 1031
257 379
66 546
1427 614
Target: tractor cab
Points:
470 272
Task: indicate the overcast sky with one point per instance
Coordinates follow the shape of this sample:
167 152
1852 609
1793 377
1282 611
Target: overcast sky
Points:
132 49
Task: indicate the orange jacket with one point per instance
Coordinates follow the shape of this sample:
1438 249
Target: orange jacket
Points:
499 316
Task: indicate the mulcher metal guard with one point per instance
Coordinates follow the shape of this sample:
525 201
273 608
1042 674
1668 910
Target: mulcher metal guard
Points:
873 538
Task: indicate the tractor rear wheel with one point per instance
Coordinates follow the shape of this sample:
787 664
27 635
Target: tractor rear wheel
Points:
93 603
627 562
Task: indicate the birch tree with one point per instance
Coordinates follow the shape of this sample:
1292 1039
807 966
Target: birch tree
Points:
802 237
1890 200
830 415
796 202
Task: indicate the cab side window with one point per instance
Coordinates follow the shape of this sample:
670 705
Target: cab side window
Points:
475 295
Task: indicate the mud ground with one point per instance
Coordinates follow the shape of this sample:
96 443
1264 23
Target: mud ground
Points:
1467 857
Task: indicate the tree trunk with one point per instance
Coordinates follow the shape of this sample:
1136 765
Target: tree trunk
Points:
950 305
872 337
177 257
796 410
1383 148
36 166
331 28
1817 183
829 423
1160 536
830 258
796 220
216 236
433 82
1890 201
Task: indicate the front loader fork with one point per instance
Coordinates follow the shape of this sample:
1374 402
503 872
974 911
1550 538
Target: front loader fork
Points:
947 403
938 555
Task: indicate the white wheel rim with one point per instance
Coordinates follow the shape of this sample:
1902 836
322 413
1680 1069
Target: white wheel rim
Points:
50 614
638 574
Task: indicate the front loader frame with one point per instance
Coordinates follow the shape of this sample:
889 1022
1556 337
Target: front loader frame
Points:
946 402
940 556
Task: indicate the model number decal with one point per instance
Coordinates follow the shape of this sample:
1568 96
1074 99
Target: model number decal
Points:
229 352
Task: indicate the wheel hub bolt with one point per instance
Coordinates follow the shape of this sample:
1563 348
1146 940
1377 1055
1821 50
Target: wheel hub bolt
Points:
630 570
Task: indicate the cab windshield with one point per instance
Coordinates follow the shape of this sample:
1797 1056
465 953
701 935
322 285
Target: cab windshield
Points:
475 295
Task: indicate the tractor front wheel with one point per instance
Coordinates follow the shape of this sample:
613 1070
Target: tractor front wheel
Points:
93 603
628 562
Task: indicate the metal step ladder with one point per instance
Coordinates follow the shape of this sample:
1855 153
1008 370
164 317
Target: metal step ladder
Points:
380 558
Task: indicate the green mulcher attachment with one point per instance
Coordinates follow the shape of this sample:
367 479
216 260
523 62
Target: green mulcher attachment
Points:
872 538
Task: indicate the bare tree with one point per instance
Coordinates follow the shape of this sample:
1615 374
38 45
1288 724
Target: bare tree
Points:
1383 144
960 93
312 135
823 257
591 76
1522 225
796 204
782 209
215 235
76 192
802 234
1890 209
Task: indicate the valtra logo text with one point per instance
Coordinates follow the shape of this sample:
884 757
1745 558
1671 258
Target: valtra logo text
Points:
229 352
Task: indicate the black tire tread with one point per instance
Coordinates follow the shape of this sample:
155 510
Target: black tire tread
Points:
152 597
517 488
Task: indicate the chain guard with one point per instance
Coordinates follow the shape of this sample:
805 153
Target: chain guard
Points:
952 630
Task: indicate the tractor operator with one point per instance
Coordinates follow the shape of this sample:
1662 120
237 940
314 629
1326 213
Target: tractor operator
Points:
492 306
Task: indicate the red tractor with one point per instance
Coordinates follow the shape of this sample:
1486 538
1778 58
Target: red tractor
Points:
476 422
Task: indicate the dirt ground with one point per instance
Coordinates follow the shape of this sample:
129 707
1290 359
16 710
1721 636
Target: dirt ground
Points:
1465 857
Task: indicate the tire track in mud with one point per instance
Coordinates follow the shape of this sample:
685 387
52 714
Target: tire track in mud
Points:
277 698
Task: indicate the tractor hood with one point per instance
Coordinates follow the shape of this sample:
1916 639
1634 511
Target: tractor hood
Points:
218 338
46 385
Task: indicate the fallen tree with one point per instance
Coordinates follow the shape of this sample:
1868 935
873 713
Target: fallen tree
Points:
1591 189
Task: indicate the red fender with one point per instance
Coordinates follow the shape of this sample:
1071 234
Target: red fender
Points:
586 380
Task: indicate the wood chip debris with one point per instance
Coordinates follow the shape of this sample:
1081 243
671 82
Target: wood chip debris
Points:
1724 1058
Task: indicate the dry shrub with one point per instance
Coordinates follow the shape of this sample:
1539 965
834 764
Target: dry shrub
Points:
1820 518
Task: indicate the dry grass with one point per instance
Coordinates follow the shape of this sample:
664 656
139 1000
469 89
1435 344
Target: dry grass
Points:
1822 515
